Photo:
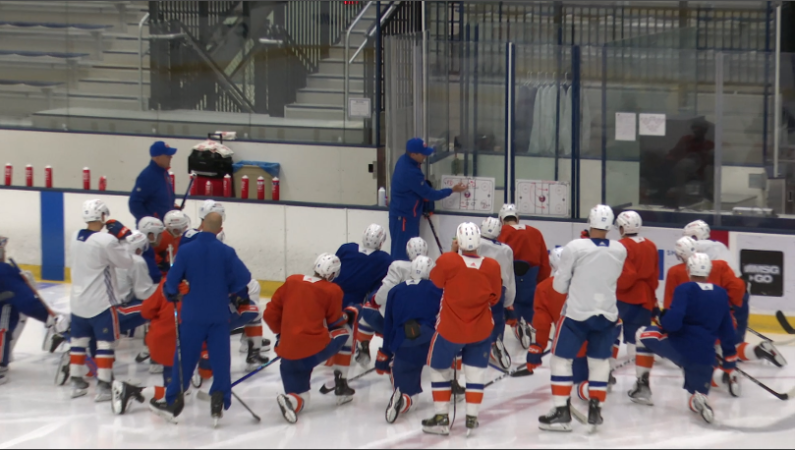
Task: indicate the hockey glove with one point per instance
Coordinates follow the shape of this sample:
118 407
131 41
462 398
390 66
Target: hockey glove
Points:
534 354
117 229
173 298
586 234
511 318
383 363
240 299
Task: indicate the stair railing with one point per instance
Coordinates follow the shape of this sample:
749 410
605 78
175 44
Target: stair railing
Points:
347 50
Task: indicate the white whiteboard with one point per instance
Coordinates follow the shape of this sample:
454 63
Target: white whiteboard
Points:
479 197
543 198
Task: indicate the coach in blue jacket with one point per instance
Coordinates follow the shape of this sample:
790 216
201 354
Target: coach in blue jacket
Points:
409 191
213 272
153 194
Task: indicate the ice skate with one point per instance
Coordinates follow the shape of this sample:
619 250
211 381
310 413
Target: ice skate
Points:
196 380
558 419
3 375
155 369
343 392
79 387
62 374
641 392
611 381
472 423
767 351
288 410
395 406
53 340
254 359
699 405
104 392
363 354
122 394
143 356
166 411
523 334
594 414
458 392
499 356
438 424
217 407
733 383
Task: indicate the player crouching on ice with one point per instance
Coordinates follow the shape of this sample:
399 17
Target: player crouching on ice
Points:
472 284
699 315
588 272
409 326
306 315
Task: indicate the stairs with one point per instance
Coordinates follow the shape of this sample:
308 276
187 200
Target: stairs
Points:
324 96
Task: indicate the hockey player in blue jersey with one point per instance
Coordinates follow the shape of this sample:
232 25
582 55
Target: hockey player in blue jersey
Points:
214 272
699 315
409 326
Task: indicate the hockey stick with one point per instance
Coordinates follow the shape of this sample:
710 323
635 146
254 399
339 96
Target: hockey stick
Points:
324 390
433 230
782 320
256 417
759 335
206 397
187 192
785 396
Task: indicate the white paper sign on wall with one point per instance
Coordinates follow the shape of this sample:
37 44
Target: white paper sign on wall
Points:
651 125
543 198
626 126
479 197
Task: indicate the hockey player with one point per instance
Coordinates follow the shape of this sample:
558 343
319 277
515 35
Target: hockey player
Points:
491 248
372 320
699 315
152 228
95 295
721 275
306 315
588 272
472 285
638 284
213 272
176 224
364 266
409 326
531 266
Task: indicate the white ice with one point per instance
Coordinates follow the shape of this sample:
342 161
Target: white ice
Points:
36 414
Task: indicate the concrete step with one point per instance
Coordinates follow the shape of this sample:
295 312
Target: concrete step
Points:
124 43
333 66
325 96
105 86
106 13
333 82
120 72
124 58
50 43
314 112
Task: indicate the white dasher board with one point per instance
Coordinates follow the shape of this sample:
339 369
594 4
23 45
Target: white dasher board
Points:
479 196
543 198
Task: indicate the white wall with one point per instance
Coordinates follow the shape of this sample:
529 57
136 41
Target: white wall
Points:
20 221
309 173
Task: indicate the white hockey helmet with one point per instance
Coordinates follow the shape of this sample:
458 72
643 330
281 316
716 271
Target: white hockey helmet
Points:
508 210
601 217
685 247
95 211
630 221
176 222
374 237
137 241
698 230
211 206
491 227
416 247
699 265
153 226
468 236
421 268
328 266
554 258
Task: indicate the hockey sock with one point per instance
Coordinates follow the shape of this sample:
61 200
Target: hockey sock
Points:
474 391
582 391
104 359
644 358
598 375
562 379
408 402
253 332
616 347
77 356
155 392
299 401
365 333
440 384
745 352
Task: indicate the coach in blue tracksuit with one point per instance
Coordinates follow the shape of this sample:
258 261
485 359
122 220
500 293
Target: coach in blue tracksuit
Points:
409 191
214 272
153 194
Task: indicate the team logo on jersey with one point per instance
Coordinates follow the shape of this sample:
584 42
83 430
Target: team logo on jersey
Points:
763 270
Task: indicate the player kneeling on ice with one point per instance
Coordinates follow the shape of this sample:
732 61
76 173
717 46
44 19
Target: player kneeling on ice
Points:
18 301
409 324
588 272
491 248
306 315
699 315
472 285
372 321
213 272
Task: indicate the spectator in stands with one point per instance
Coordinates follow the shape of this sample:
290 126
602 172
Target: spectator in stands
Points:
410 191
153 194
692 162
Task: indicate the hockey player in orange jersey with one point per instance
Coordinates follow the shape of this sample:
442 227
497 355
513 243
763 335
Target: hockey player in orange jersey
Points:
471 285
531 266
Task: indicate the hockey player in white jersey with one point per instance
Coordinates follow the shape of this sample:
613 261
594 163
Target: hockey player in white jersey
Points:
372 320
588 272
135 283
490 247
95 295
206 208
700 231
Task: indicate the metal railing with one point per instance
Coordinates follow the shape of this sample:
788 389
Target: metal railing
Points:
347 52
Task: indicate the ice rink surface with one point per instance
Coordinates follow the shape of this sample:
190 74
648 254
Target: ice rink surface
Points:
36 414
